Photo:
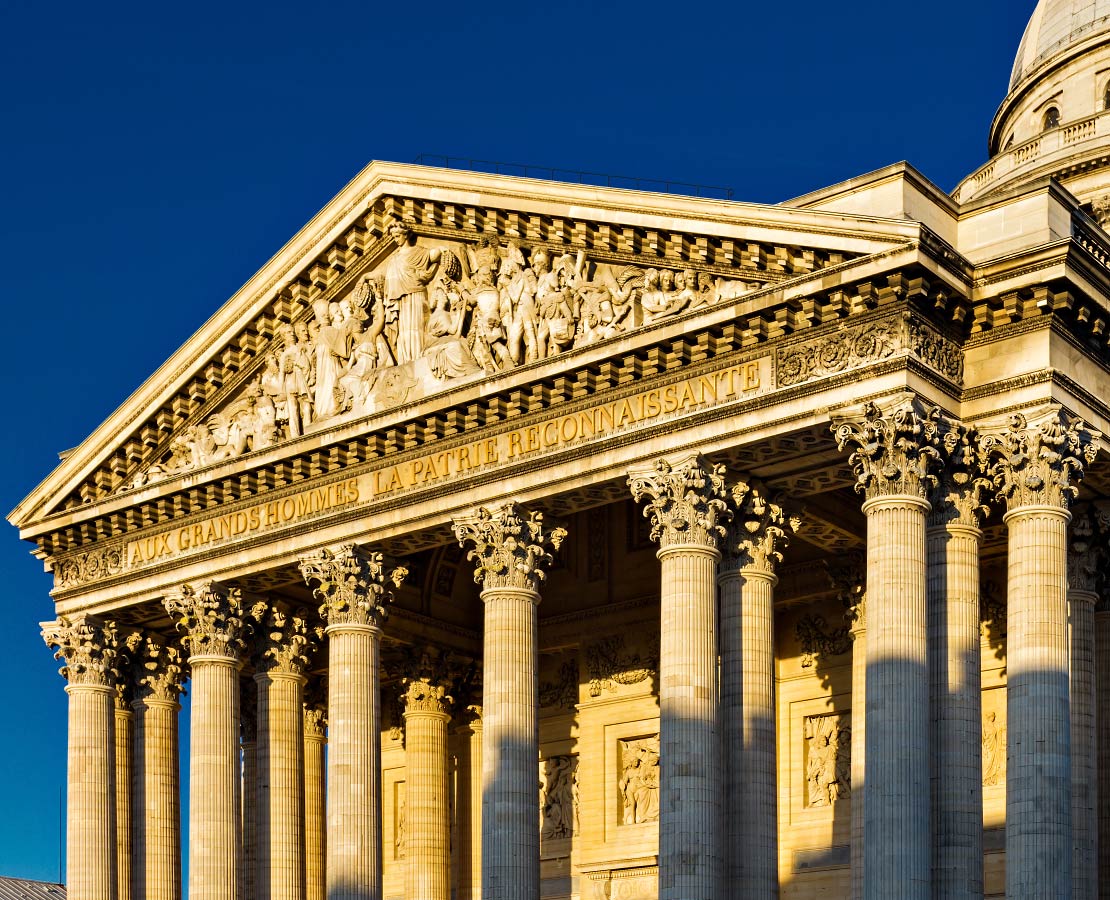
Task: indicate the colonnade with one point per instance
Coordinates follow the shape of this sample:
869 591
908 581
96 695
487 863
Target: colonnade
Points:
917 833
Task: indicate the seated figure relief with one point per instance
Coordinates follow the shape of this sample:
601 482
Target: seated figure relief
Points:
431 315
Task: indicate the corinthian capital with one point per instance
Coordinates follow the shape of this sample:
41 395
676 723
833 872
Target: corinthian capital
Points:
157 668
351 584
847 576
510 546
1086 550
895 449
316 709
426 695
962 489
88 648
1039 463
284 641
211 617
687 501
760 530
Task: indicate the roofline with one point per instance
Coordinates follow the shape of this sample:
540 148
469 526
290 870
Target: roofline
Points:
352 201
903 169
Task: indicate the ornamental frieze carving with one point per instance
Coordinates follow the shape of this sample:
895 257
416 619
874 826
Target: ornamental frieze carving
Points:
819 641
560 691
88 648
610 664
1040 462
511 546
82 568
352 584
686 501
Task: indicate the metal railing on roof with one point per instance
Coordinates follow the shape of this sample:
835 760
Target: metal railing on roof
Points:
575 176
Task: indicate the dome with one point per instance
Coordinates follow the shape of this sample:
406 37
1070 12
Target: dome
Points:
1055 26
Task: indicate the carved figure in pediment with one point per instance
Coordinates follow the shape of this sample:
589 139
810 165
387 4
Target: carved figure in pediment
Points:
518 285
488 333
298 377
335 342
407 275
727 289
559 306
448 353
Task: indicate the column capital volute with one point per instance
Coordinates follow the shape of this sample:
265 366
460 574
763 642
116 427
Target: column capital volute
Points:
316 708
759 532
1038 458
511 546
284 639
352 584
212 620
89 648
963 490
1086 551
686 499
895 446
157 668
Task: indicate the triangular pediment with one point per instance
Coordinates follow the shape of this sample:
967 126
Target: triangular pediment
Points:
354 316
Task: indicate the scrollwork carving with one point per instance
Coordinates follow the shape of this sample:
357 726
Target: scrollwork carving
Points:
687 501
351 584
1086 551
609 664
157 667
760 530
284 640
819 642
510 546
849 348
1039 463
88 647
962 489
212 618
92 565
562 691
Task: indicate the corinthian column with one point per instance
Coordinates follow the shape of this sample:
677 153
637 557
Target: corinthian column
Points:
1035 467
955 681
123 727
315 791
156 826
248 741
892 462
212 618
747 582
351 586
469 804
687 505
89 650
1102 702
510 557
1084 562
427 708
281 656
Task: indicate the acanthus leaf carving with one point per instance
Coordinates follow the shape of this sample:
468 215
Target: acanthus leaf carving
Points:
284 640
562 691
686 501
510 546
88 647
212 618
1039 463
351 584
609 664
157 667
316 708
847 576
963 488
1086 551
760 529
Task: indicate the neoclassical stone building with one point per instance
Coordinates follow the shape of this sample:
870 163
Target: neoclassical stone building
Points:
519 539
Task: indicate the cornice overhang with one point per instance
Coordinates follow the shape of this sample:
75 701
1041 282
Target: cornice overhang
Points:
834 231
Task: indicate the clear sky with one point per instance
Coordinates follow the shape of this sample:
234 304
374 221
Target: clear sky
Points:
156 155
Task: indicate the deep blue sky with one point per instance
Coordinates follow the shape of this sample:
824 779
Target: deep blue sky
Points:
156 155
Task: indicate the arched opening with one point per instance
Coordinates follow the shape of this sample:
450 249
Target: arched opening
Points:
1051 118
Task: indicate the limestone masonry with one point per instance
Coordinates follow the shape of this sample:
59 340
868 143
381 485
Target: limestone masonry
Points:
518 539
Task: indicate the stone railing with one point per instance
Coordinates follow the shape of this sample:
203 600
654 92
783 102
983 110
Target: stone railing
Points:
1042 147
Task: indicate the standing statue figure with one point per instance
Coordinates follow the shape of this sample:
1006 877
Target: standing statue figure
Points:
297 370
517 284
407 275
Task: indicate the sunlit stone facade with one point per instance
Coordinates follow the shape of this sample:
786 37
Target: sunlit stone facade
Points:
518 539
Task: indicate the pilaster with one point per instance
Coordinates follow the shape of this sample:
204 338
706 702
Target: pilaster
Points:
1035 467
215 632
752 550
510 548
687 502
894 459
352 587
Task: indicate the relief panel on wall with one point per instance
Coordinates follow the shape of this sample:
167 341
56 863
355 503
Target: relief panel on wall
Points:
558 797
638 785
828 759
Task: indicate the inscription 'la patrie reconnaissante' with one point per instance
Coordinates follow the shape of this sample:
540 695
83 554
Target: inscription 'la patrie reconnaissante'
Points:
638 410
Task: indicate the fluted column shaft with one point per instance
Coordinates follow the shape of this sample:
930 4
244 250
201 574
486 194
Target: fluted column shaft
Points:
123 729
156 861
748 727
469 810
248 871
281 786
354 838
859 753
428 851
315 793
689 739
897 852
1084 750
214 798
1038 774
510 757
955 688
91 857
1102 726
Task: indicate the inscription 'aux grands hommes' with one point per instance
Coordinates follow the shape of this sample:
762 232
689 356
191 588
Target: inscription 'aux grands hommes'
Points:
736 381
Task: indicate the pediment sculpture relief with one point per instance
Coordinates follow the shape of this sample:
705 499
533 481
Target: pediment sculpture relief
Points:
426 317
